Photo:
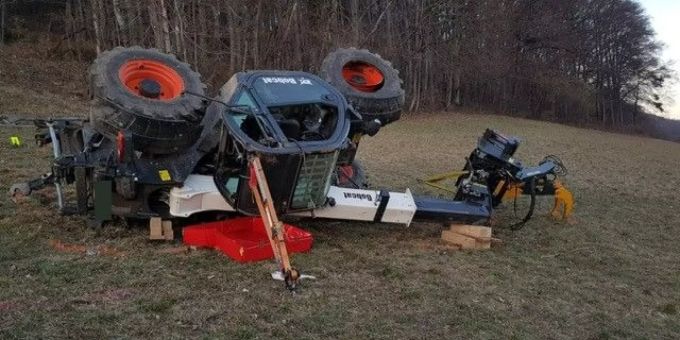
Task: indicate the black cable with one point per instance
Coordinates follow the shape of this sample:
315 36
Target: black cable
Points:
210 99
532 204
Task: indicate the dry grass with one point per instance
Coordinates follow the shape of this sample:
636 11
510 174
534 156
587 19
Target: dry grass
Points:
615 274
36 83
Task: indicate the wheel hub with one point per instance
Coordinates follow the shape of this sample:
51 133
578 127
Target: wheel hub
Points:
363 76
358 79
150 88
151 79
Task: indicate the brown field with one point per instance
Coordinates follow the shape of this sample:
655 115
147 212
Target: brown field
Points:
614 274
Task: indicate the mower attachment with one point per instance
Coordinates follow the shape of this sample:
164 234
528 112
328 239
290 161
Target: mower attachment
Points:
492 166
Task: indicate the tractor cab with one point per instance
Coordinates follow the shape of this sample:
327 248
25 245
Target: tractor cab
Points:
299 126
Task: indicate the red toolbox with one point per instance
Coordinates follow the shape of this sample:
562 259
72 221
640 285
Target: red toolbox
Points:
244 239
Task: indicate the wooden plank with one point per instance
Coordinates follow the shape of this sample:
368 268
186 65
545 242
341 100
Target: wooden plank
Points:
468 236
462 241
156 229
483 244
168 233
267 211
472 231
266 220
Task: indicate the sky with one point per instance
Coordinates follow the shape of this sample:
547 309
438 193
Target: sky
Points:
665 17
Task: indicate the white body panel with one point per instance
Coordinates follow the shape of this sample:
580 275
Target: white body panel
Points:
199 194
362 205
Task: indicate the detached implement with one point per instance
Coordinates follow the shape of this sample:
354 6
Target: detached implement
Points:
492 165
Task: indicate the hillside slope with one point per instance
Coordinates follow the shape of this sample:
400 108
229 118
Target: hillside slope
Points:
36 84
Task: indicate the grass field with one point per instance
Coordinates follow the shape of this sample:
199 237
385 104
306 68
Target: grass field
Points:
614 274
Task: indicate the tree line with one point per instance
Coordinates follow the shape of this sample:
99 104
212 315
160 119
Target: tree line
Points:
577 61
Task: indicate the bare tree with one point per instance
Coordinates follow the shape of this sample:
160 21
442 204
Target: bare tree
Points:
3 10
578 61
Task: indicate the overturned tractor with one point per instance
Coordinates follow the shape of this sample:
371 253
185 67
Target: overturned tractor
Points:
155 145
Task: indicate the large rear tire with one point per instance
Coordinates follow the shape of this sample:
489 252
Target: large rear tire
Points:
147 93
368 82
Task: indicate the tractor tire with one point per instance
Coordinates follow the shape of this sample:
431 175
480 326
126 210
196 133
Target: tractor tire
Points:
145 92
368 82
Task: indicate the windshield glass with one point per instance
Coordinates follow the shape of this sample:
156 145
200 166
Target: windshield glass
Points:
246 101
249 120
275 90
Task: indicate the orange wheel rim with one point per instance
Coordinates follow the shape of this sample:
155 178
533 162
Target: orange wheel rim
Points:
167 84
363 76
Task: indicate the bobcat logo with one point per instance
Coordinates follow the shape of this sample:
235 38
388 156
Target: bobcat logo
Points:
356 196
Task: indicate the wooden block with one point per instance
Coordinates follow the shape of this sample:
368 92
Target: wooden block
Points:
468 237
156 229
461 241
474 231
168 233
486 244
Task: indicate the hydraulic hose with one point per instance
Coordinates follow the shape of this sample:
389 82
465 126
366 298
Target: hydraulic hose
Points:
531 186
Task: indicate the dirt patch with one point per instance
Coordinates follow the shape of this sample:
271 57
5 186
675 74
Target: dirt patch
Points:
7 306
98 250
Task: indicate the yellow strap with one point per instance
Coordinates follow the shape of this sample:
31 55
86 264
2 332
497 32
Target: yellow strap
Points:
434 180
